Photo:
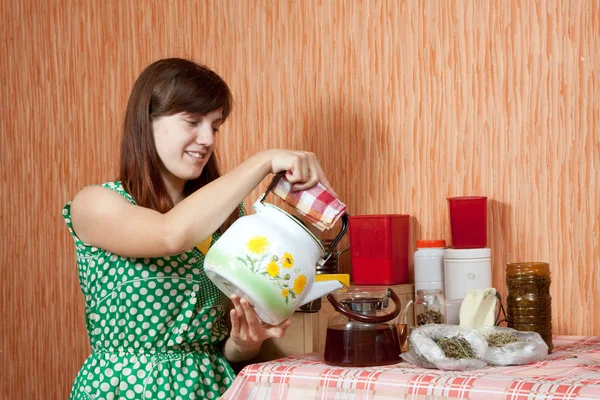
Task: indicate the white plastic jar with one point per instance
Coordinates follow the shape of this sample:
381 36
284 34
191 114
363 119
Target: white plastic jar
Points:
466 269
429 265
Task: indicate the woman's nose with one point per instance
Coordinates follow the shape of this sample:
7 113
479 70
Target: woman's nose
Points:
205 136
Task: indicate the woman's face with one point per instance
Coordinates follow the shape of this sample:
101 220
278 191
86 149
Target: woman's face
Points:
185 142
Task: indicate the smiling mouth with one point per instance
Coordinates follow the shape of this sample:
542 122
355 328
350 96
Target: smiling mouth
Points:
195 155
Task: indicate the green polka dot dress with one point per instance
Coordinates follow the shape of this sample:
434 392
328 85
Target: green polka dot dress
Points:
155 325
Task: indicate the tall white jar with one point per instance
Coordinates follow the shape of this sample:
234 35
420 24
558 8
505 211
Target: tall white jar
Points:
429 265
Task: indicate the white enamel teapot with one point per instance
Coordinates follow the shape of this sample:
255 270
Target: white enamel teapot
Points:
269 258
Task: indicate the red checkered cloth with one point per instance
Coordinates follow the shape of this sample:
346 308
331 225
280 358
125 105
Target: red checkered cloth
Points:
572 371
317 204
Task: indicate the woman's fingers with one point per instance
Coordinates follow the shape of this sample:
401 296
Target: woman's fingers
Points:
238 308
298 170
316 175
235 324
305 165
245 324
311 173
302 168
320 175
254 327
325 182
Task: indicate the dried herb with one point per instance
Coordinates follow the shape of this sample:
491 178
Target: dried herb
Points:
517 318
499 339
455 347
430 317
521 285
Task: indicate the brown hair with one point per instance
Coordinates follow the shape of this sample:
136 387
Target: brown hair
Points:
164 88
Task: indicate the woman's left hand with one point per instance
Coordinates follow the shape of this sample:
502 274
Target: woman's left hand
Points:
247 332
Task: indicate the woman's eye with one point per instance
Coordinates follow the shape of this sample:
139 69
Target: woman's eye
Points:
192 122
215 130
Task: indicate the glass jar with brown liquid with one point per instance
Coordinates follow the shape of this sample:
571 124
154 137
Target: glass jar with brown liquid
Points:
528 303
364 331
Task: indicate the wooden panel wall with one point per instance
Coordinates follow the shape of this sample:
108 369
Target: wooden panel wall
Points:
405 103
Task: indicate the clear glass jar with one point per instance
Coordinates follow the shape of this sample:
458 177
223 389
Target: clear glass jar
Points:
528 303
430 307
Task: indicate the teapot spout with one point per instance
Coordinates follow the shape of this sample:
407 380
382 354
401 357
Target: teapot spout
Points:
320 289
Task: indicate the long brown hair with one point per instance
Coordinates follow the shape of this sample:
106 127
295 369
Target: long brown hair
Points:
166 87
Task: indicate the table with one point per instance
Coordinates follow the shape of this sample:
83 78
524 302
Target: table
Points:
572 371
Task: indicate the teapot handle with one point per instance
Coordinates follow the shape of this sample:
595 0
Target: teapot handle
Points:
337 239
271 186
364 318
334 242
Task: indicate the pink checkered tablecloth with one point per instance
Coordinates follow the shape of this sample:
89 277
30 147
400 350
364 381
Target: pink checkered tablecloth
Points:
572 371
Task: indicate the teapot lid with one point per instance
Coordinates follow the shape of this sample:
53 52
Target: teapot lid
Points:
298 222
364 299
371 292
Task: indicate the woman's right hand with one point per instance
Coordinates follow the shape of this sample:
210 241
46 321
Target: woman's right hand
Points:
302 168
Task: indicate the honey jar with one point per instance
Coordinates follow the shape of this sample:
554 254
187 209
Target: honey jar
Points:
529 304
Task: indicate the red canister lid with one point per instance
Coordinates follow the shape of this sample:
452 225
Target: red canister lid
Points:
423 244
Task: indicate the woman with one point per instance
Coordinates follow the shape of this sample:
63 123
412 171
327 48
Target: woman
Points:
157 325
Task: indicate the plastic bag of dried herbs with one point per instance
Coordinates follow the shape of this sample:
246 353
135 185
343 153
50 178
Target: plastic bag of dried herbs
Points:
507 346
446 347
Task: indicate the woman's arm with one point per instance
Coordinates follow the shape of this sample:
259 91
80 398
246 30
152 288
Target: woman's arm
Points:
104 219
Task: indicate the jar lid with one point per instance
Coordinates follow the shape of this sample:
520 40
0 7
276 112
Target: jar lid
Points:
424 244
528 268
468 253
428 292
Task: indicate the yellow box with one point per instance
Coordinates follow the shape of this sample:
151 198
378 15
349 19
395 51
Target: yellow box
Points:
344 278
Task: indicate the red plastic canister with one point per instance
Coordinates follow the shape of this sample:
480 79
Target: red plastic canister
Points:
379 249
468 222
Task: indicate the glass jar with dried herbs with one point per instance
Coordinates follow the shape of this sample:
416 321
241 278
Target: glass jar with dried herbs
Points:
430 307
529 304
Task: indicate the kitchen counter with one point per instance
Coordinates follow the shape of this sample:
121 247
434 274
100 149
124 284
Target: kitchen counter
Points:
572 371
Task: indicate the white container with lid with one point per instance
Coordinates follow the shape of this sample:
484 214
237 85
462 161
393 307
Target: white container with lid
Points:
466 269
429 260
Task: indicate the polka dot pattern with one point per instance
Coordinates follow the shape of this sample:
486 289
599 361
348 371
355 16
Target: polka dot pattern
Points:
156 325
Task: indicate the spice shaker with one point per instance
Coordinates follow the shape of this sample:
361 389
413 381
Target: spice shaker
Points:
528 303
430 307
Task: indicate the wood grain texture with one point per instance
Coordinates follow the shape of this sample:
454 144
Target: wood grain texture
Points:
404 102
